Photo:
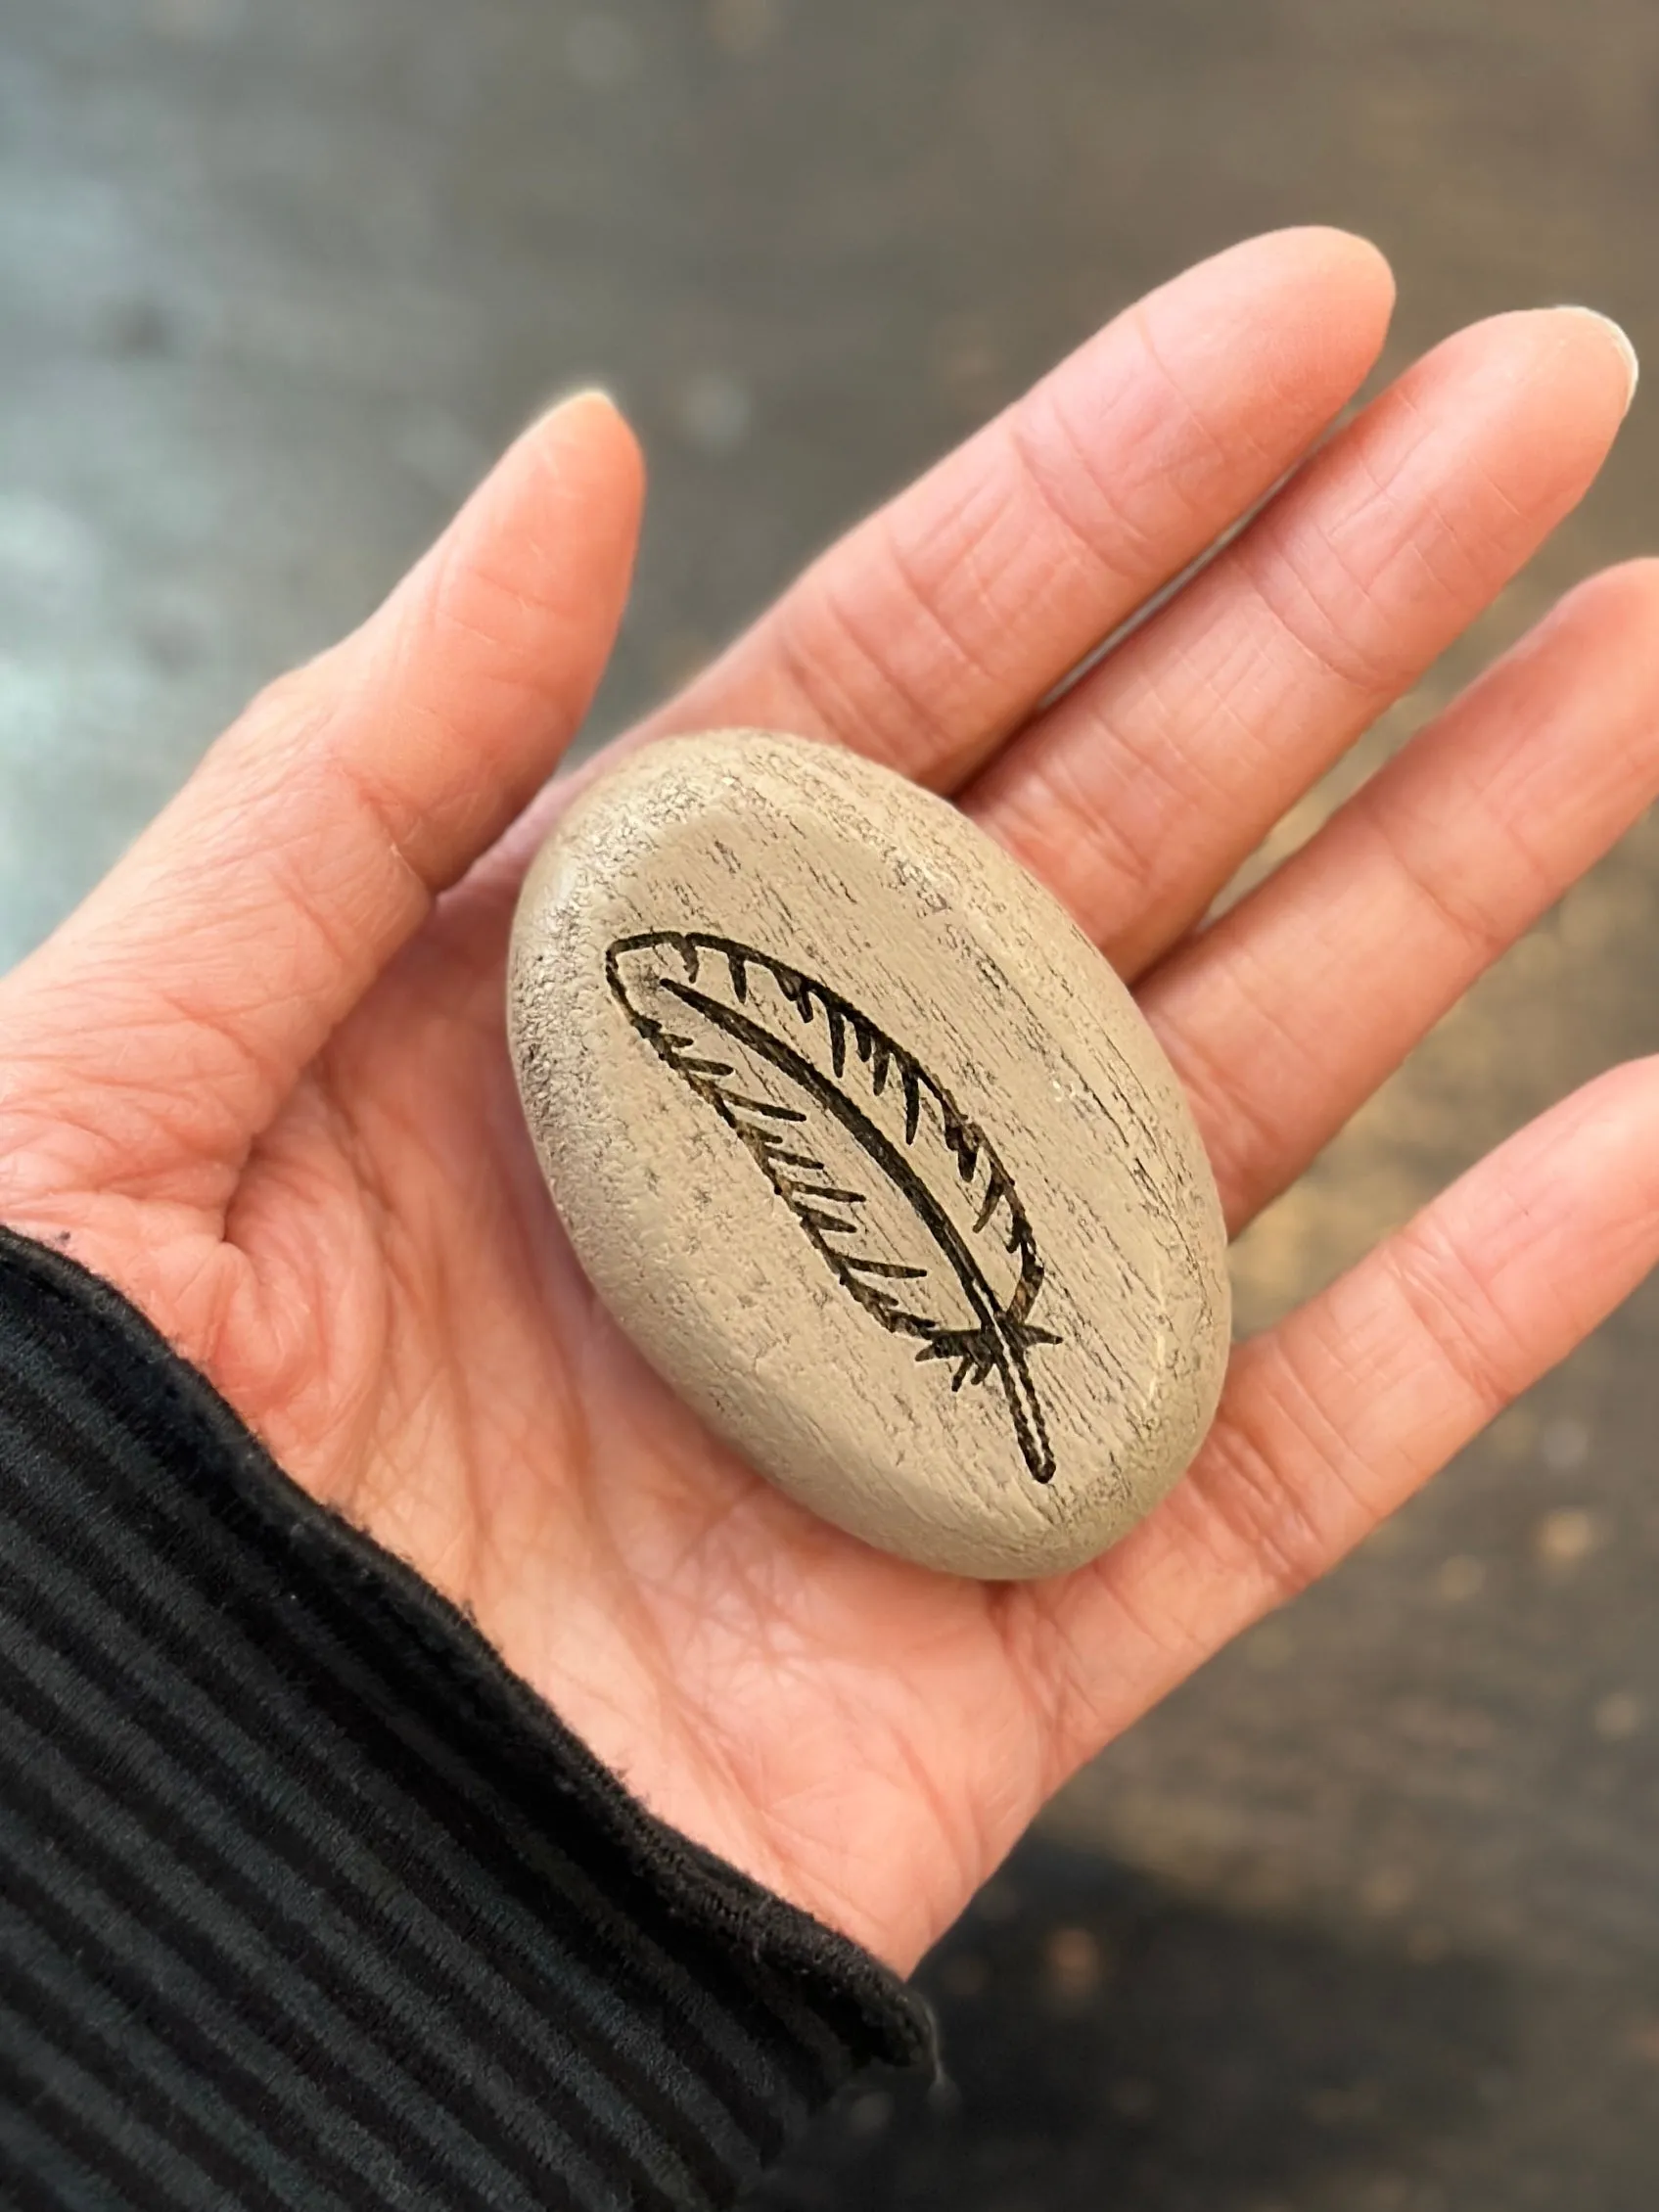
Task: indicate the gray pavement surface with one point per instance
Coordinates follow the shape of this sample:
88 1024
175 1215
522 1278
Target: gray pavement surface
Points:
1367 1918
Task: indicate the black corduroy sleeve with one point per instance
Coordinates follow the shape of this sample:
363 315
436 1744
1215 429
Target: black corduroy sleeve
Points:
306 1903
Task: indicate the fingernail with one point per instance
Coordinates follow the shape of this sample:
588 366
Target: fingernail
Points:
580 396
1620 338
598 391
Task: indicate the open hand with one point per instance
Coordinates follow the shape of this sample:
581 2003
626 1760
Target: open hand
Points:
260 1081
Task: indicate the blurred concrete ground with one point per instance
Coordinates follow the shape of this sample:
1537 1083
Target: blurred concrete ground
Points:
1368 1916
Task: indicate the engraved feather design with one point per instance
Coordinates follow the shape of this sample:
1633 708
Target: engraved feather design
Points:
902 1196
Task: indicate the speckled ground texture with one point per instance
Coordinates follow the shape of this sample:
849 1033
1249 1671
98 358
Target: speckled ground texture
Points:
1368 1916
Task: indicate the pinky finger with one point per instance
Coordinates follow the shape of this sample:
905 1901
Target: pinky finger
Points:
1335 1418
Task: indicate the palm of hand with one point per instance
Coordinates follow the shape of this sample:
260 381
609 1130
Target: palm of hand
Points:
318 1184
765 1683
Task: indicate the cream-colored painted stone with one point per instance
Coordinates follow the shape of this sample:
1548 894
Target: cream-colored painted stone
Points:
869 1151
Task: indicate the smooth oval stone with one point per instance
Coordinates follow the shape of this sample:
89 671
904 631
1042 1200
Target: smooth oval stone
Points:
869 1151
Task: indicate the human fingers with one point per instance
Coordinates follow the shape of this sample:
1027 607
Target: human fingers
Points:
1334 1418
1137 796
937 626
1286 1015
209 968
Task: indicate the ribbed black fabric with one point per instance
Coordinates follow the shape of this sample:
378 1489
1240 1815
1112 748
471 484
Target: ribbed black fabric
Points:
307 1903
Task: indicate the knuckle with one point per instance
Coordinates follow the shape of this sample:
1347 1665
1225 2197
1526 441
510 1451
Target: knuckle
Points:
287 713
1059 818
1088 515
1121 506
1459 898
1457 1316
887 684
1260 1471
1322 607
1283 1489
1247 1069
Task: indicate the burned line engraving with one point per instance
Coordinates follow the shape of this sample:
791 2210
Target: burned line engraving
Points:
902 1196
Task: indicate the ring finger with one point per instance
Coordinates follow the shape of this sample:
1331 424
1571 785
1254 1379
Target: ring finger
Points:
1285 1016
1139 793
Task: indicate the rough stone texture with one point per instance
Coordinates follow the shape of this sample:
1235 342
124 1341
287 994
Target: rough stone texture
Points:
870 1151
1368 1918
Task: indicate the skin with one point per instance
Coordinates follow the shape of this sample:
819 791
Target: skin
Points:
258 1081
